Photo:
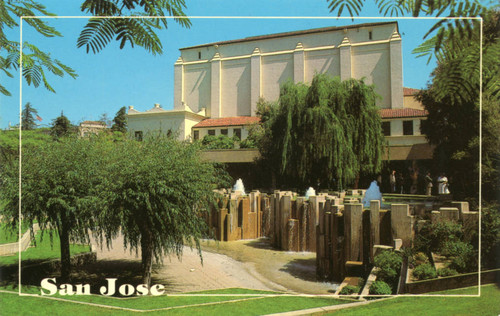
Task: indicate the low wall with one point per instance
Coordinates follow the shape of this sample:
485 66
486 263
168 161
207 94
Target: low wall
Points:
452 282
12 248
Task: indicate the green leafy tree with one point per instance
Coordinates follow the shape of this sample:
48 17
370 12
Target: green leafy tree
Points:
330 131
120 121
36 63
444 29
58 191
96 34
156 193
452 100
28 117
100 32
219 142
61 127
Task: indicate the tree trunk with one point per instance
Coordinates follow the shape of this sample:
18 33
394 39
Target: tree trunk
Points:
147 256
356 182
64 243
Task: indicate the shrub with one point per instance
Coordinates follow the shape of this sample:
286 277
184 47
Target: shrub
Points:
218 142
443 272
424 272
432 237
421 258
466 259
380 288
389 264
349 289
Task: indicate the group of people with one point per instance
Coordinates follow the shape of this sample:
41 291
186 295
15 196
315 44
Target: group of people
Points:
397 183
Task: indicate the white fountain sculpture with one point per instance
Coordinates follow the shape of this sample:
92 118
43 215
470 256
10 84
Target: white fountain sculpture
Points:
310 192
373 193
238 186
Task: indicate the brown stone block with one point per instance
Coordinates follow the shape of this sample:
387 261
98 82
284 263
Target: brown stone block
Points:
293 235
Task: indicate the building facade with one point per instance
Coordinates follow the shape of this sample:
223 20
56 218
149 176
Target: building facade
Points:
217 85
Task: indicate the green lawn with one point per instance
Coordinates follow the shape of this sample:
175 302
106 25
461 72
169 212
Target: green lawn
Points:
9 235
253 304
487 304
44 250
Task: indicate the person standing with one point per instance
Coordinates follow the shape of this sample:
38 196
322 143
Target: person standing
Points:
400 181
392 181
442 184
428 182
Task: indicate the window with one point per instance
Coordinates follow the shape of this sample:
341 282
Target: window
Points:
138 136
196 135
199 55
407 127
211 132
223 131
370 35
237 132
386 128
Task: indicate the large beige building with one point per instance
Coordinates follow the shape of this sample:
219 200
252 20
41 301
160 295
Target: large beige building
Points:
217 85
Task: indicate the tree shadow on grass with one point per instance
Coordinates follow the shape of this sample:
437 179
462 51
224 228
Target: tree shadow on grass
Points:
94 274
304 269
261 243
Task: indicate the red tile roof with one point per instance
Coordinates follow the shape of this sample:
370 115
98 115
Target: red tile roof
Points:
409 91
399 113
228 121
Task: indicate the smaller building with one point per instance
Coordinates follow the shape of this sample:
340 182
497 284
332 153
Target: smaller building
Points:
87 128
157 120
230 126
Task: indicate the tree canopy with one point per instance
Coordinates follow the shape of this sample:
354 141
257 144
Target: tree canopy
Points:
452 100
58 190
443 29
28 117
120 121
95 35
329 132
153 192
156 192
61 126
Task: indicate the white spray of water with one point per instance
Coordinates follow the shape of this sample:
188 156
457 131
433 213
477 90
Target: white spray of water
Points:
238 186
373 193
310 192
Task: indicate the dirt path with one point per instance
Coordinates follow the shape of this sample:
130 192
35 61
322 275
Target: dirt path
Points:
217 272
250 264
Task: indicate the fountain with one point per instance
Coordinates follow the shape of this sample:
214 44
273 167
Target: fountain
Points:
310 192
373 193
238 186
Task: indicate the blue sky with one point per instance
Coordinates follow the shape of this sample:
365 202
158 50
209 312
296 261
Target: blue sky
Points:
114 78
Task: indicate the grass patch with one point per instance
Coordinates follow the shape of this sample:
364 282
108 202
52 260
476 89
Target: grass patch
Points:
247 305
8 234
486 304
44 250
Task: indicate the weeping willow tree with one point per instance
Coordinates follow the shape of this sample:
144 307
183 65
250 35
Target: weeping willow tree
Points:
328 132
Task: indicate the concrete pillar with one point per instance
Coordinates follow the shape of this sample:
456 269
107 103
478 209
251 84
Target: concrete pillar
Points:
286 211
402 223
374 226
353 232
345 59
396 64
255 80
313 220
215 108
178 84
298 64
